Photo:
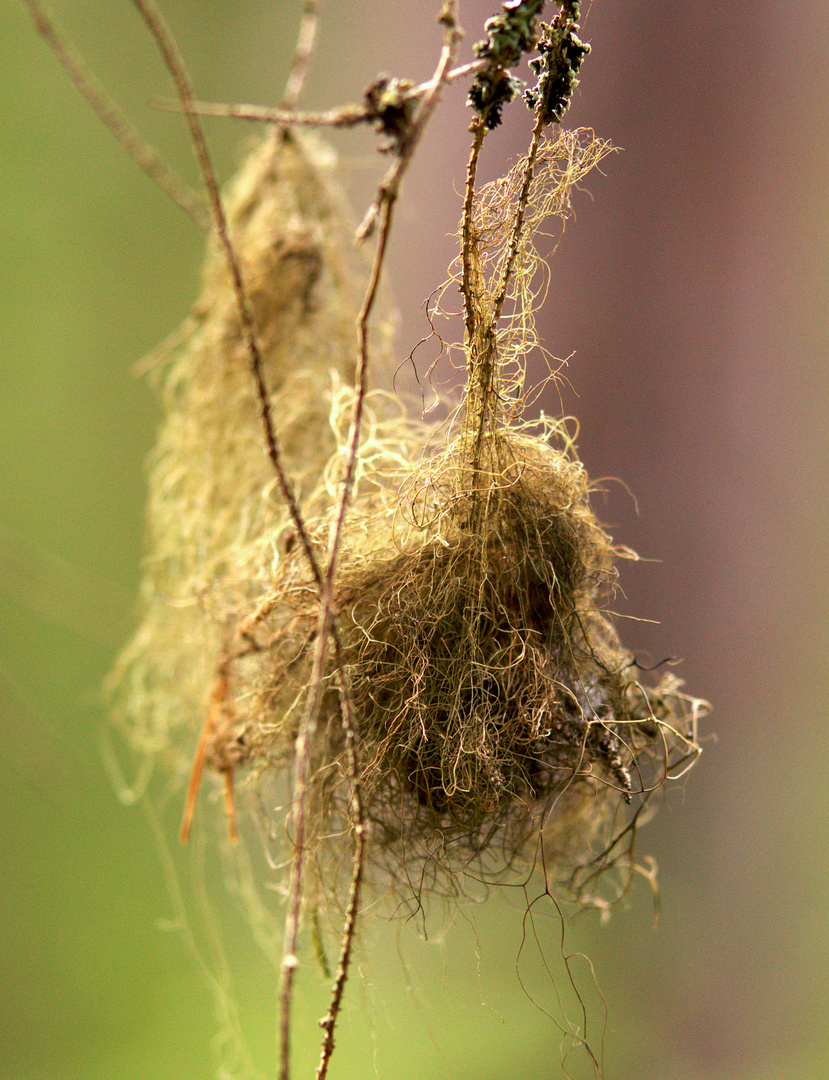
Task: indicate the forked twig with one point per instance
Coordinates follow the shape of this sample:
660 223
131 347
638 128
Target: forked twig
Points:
111 114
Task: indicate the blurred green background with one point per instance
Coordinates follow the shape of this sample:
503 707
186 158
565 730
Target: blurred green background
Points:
692 289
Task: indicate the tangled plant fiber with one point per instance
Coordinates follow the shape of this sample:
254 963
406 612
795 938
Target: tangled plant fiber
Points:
494 700
499 719
217 523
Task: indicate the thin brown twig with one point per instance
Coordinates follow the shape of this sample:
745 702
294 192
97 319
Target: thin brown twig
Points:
111 114
467 232
387 205
327 628
211 726
481 371
521 209
345 116
306 41
299 781
386 199
166 44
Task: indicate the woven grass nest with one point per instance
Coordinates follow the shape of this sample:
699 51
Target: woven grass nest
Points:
500 724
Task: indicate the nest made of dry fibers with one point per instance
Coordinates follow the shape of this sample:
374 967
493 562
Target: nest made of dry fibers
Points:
501 724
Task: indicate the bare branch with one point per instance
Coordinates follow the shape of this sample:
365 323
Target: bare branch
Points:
111 114
361 832
347 116
299 783
303 53
467 237
175 65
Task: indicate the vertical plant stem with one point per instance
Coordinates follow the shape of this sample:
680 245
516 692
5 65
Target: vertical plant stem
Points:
360 830
467 229
169 50
299 785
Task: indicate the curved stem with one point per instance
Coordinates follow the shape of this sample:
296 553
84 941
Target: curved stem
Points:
166 43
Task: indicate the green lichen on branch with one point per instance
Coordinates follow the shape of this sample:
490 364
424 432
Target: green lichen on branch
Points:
509 36
561 53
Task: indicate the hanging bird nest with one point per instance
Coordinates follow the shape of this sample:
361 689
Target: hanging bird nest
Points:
499 722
